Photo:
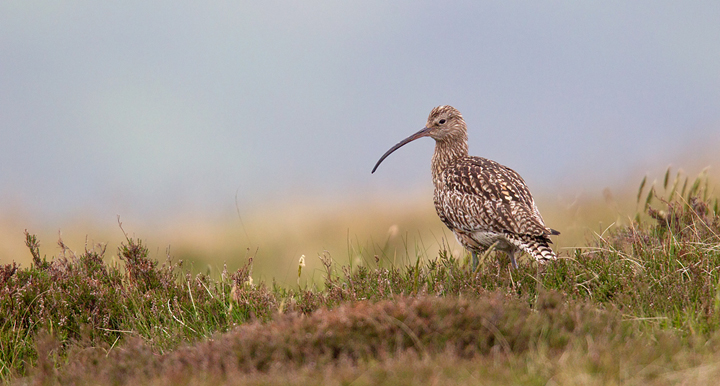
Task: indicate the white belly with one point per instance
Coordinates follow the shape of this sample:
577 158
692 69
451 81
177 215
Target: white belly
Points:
486 239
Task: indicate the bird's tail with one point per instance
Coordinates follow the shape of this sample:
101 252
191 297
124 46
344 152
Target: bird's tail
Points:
536 246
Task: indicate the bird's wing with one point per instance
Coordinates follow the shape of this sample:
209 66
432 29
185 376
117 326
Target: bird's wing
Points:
478 194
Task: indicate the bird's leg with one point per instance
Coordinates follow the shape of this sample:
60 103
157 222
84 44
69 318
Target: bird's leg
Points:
475 261
511 254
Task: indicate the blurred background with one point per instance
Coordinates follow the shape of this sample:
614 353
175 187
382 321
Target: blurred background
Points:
217 131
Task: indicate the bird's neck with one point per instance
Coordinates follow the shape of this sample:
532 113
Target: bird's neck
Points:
447 153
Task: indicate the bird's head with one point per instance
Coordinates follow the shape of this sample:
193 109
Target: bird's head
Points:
445 123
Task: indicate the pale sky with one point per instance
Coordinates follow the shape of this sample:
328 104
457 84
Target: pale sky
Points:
145 108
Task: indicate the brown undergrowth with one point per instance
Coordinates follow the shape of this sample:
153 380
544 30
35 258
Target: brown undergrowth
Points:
355 333
637 296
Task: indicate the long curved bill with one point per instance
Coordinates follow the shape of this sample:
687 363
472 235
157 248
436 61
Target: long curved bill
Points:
422 133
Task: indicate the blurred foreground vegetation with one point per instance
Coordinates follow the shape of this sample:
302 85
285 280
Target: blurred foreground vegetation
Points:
640 304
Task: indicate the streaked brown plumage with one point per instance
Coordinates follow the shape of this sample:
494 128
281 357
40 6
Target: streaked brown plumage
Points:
482 202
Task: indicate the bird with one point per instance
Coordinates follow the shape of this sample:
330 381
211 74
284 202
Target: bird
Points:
485 204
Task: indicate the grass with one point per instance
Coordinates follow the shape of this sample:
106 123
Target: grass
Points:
639 305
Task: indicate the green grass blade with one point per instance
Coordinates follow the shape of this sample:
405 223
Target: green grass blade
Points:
649 197
674 187
642 186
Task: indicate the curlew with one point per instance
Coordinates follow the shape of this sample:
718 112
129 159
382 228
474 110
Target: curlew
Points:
484 203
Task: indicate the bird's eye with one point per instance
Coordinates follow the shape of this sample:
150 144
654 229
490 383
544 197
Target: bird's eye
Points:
442 121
